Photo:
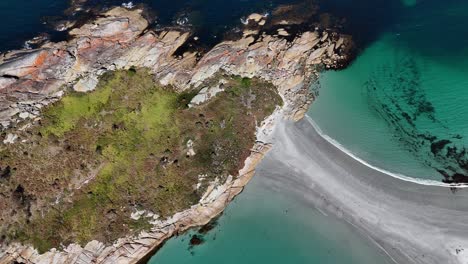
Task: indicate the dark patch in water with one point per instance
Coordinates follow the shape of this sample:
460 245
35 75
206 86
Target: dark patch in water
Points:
208 227
395 93
408 118
196 240
437 146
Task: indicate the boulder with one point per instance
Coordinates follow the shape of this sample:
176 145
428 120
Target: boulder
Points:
86 84
255 17
283 32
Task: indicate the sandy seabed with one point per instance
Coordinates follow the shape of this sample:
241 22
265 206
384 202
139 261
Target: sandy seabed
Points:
411 221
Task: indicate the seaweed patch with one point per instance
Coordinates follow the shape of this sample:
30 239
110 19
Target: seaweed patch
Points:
395 92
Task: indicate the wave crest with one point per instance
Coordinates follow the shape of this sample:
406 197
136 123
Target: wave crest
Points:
392 174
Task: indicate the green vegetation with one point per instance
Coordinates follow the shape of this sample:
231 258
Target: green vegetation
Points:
73 108
97 157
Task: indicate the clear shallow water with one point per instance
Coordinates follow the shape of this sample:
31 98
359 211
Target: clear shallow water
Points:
264 225
405 92
402 104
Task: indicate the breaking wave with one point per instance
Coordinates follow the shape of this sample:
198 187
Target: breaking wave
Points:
392 174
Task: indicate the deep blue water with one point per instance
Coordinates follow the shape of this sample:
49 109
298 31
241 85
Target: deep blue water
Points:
422 42
23 20
403 100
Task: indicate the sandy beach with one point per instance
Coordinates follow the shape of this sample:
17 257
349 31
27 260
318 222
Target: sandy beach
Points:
411 222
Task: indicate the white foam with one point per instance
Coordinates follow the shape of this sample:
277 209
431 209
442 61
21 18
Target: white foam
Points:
128 5
182 21
392 174
244 21
27 45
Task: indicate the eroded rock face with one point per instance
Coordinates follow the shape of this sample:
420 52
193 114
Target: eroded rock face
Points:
288 65
133 249
120 40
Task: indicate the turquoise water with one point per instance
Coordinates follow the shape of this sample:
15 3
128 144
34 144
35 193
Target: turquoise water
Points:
405 92
260 226
402 104
271 226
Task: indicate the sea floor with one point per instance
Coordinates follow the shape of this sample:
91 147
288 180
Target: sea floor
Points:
401 104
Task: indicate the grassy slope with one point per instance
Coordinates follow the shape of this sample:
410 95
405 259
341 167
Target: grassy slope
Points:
128 139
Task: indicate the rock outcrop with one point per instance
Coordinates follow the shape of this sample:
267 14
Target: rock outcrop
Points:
120 39
133 249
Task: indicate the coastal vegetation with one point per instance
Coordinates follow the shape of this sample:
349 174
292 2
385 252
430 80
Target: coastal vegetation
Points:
129 146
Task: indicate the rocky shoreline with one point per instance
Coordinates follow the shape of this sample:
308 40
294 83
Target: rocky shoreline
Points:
268 48
135 249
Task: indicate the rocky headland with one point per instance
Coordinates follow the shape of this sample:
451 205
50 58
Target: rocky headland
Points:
286 53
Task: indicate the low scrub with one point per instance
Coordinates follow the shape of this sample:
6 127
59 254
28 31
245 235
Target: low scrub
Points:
94 158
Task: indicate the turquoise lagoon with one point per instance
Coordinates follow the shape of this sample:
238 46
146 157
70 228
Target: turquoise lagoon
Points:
267 225
401 105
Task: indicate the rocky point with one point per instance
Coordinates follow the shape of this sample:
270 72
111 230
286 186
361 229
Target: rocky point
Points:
279 51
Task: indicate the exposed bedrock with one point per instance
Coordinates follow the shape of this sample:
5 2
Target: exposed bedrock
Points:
121 39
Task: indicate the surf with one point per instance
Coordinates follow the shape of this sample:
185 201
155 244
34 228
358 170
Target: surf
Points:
412 179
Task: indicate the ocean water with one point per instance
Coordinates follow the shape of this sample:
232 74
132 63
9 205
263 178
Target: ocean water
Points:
209 19
401 105
270 225
23 20
412 60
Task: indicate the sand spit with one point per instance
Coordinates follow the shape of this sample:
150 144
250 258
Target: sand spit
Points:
411 222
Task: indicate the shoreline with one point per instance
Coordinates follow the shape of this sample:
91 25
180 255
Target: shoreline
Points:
141 248
391 174
119 40
344 187
394 214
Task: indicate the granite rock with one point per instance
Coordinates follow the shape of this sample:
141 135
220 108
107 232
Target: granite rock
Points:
119 39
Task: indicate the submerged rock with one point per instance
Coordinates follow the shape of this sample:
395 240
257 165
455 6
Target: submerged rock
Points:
196 240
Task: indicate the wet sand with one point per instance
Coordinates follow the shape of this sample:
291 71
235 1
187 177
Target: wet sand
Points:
411 222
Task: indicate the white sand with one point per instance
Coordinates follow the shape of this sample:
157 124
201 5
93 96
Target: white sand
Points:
413 222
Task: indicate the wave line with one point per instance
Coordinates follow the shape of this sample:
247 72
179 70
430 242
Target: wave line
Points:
399 176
